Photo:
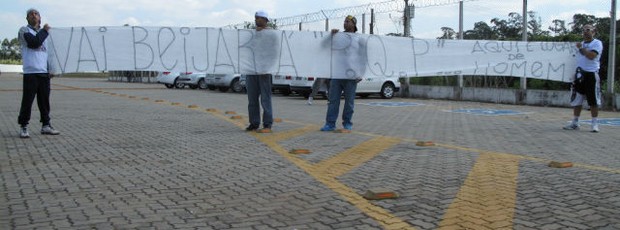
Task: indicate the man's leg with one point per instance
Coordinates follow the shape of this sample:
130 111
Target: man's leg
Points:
28 94
253 106
594 99
349 103
333 108
265 99
43 99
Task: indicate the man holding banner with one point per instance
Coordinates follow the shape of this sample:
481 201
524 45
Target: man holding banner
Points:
587 81
258 85
347 68
34 47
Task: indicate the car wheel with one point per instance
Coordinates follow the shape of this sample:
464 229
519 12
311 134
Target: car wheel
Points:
177 84
236 86
223 88
169 86
202 84
387 90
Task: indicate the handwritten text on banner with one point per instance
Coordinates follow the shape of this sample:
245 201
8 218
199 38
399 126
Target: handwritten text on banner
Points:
299 53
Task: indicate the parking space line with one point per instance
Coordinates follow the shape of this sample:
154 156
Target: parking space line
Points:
353 157
382 216
487 199
522 157
288 134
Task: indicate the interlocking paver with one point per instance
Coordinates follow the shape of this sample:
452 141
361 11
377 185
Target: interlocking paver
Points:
124 162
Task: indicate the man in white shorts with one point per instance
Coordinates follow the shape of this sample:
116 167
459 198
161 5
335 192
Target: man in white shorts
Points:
587 81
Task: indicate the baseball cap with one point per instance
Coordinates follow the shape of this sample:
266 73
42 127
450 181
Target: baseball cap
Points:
262 14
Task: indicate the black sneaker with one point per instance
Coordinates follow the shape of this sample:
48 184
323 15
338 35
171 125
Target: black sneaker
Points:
251 128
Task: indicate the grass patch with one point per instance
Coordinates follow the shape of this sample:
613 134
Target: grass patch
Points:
10 62
87 75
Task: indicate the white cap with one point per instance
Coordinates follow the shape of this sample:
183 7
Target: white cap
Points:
262 14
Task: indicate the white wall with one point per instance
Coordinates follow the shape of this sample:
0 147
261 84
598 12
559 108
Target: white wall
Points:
10 68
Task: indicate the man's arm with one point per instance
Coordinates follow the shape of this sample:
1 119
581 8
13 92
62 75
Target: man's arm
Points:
590 54
34 42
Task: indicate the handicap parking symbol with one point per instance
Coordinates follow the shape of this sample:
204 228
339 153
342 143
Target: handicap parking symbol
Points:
605 121
488 112
393 104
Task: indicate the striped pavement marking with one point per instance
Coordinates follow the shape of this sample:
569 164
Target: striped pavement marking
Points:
353 157
487 198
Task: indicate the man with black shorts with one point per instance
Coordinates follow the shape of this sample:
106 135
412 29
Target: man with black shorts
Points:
587 81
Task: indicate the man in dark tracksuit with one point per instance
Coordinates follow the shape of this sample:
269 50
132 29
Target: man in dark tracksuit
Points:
33 41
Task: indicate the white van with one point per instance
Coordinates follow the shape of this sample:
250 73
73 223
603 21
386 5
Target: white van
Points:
386 87
282 84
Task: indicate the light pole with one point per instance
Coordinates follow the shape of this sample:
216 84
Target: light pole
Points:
611 61
406 32
523 89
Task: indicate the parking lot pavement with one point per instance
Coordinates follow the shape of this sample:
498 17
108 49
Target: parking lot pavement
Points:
133 155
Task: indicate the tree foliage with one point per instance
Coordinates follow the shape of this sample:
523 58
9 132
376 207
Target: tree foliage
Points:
10 50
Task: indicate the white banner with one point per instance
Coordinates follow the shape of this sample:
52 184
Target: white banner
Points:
301 53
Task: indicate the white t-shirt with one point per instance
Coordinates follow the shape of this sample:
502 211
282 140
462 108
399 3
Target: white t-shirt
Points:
587 64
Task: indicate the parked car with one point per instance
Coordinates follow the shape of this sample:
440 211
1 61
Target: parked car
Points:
386 87
282 84
224 82
193 80
303 86
169 79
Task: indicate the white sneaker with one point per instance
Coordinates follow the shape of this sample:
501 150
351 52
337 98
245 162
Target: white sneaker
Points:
571 126
595 128
309 101
23 133
49 130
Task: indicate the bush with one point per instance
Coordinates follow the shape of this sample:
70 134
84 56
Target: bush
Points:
10 62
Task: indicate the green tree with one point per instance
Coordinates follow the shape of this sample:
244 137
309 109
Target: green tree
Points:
481 31
509 29
10 50
579 20
448 33
559 27
535 27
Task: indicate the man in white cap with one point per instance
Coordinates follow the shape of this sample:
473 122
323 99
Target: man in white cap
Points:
258 85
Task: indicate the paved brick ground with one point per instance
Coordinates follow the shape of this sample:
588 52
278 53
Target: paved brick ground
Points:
126 160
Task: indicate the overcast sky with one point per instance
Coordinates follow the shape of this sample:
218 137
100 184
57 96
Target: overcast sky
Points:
218 13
